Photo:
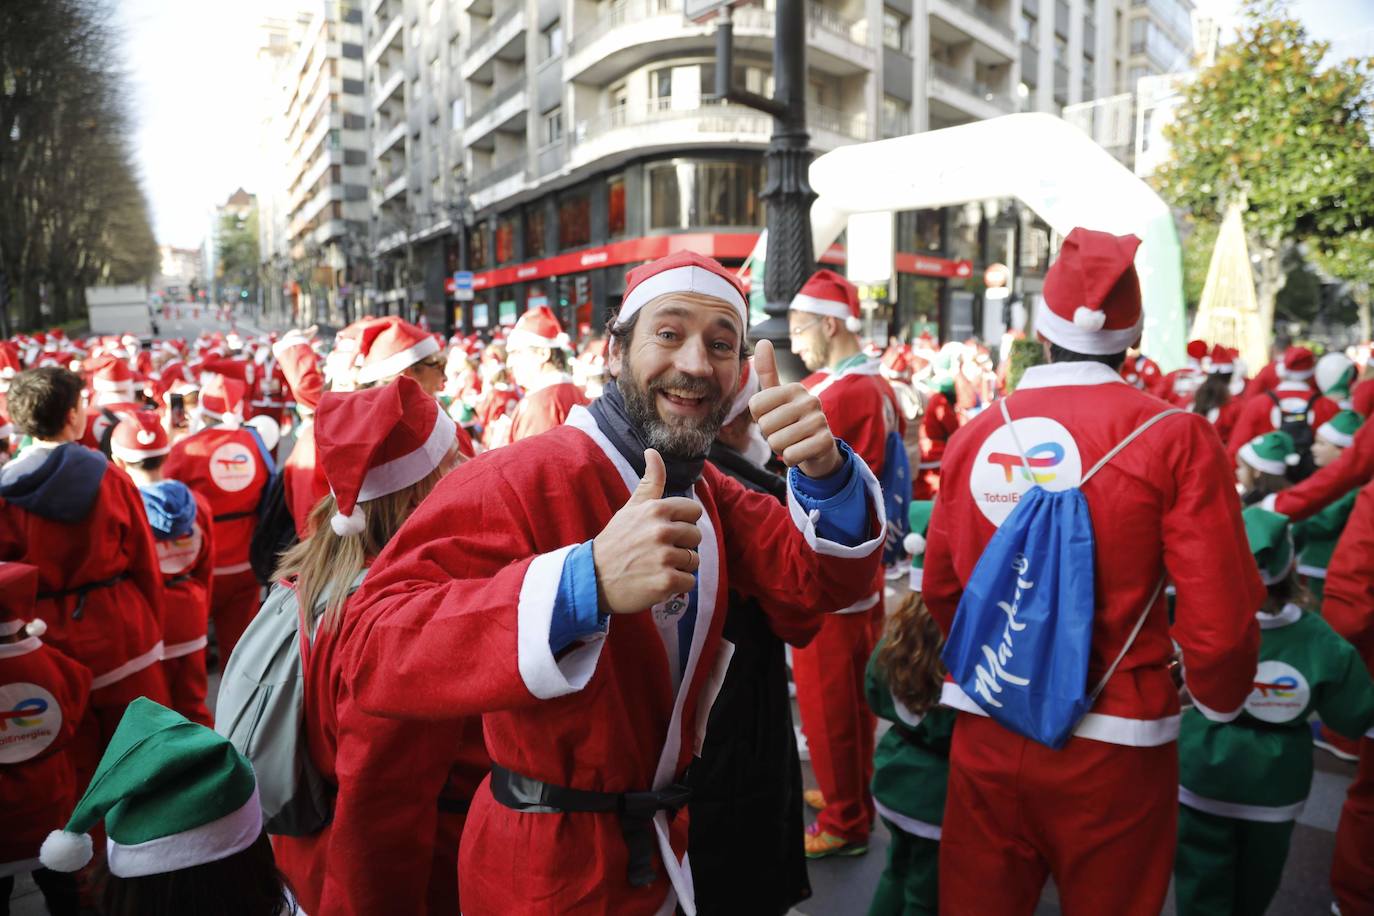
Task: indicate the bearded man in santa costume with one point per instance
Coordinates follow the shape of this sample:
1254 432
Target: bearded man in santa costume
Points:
829 672
572 588
1105 804
537 356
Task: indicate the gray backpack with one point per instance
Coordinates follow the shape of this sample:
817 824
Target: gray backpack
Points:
261 710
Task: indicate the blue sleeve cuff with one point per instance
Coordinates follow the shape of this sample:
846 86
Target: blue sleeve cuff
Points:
576 610
841 499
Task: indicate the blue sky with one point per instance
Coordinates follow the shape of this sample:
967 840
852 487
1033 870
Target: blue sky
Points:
196 104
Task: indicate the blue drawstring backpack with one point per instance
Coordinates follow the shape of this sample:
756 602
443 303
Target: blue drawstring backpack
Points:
895 483
1022 633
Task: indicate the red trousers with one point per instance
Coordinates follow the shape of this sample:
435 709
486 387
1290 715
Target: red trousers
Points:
186 685
1101 818
234 602
1352 869
838 724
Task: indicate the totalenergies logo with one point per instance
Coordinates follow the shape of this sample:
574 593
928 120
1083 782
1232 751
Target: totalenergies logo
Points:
1279 693
25 714
1280 688
1044 455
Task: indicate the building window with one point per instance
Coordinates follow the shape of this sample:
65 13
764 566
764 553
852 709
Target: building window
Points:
553 126
1030 30
895 30
505 239
920 231
896 117
615 206
661 84
534 232
552 40
574 220
477 247
685 194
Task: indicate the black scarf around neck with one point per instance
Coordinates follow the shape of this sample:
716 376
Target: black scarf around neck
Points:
615 423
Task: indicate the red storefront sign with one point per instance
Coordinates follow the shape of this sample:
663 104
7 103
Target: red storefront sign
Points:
723 246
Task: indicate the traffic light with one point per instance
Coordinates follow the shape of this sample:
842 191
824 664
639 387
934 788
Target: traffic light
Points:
582 289
564 291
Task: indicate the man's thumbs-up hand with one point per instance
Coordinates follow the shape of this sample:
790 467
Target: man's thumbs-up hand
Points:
791 419
648 550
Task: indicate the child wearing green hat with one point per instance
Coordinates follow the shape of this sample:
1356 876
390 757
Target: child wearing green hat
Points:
911 764
1262 466
1319 533
1242 784
182 820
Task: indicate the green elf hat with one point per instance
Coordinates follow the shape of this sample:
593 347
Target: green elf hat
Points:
1271 542
915 543
1272 453
1334 375
1340 430
173 795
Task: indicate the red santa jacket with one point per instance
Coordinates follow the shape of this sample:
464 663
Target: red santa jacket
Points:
939 422
454 619
1225 417
226 465
544 408
1353 469
1348 600
303 479
498 401
1166 505
44 702
80 520
187 565
1142 373
1179 386
1260 414
1267 379
392 844
1362 398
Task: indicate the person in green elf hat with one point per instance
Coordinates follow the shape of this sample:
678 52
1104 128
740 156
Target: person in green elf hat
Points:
1319 533
911 764
182 820
1262 465
1242 784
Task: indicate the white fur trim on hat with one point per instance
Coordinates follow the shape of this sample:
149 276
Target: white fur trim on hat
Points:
1330 433
137 454
686 279
811 305
100 384
520 338
410 469
397 363
1072 336
1251 457
211 842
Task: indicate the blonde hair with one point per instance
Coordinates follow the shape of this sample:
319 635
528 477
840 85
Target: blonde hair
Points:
325 564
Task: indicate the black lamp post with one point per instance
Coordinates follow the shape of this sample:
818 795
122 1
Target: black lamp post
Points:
788 191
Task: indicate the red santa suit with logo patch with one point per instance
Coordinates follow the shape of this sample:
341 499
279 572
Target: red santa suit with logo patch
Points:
545 407
44 712
1165 505
225 464
455 620
1348 605
99 589
187 565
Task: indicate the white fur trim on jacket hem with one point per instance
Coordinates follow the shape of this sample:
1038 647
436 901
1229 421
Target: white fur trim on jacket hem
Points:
211 842
1214 716
864 604
909 824
132 666
1263 813
1082 340
1095 726
397 363
545 676
231 570
686 279
178 649
806 522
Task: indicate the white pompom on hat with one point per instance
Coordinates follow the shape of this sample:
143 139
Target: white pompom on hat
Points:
827 293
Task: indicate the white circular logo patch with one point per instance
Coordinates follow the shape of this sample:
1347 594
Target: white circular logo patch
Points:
233 467
30 720
999 477
176 556
1280 693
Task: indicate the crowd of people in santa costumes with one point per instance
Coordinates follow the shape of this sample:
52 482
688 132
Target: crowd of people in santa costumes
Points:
545 598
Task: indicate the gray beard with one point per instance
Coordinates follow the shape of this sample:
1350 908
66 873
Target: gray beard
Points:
685 439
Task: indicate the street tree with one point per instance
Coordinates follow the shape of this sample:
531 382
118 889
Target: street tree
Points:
1275 125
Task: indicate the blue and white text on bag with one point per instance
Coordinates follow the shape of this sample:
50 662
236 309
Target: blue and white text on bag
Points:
1022 634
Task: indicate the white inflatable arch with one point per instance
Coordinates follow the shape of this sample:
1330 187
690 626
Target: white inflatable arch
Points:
1049 165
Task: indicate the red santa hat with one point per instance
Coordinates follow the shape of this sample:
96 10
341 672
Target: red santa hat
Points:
681 272
139 435
390 346
112 375
18 595
222 397
1298 363
10 366
378 441
1220 360
828 293
1091 296
538 327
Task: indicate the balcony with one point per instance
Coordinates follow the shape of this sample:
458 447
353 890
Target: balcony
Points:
895 124
390 137
505 110
634 130
830 128
955 21
495 185
952 90
395 186
388 89
838 45
476 7
504 38
391 35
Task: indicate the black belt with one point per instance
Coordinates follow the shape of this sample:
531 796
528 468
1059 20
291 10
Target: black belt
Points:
234 516
636 811
81 591
176 580
454 805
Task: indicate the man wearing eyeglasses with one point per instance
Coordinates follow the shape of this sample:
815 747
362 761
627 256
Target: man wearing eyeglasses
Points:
862 409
